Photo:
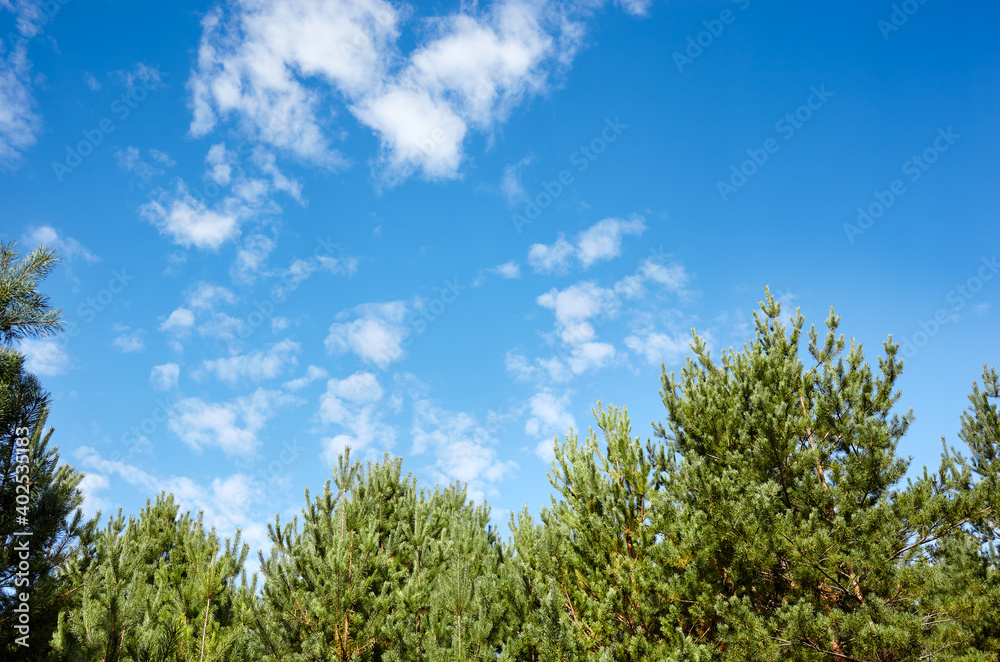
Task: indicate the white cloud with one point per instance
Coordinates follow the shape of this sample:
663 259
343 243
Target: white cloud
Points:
376 335
508 270
251 258
583 307
226 502
359 387
256 366
635 7
91 82
603 240
550 417
68 247
579 302
353 404
179 321
206 296
464 449
519 365
277 66
128 340
657 348
188 222
199 312
554 259
44 357
231 426
162 158
313 373
600 242
222 326
591 356
19 125
130 159
673 277
510 183
150 77
90 486
164 377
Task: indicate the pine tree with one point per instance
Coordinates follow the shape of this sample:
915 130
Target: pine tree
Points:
541 626
328 587
768 520
798 540
39 497
24 310
605 552
466 621
160 587
965 591
378 571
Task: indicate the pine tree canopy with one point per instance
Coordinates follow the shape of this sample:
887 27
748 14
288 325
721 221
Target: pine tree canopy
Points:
39 496
770 518
772 515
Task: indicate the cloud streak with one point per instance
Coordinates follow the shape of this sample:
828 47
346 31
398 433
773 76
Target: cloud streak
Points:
283 69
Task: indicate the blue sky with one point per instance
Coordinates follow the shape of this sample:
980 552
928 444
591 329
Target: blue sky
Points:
446 231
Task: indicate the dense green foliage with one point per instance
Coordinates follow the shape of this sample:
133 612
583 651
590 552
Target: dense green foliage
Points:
157 587
42 530
768 518
381 571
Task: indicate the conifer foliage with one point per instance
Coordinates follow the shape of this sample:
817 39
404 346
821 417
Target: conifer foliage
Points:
380 571
159 587
768 518
41 525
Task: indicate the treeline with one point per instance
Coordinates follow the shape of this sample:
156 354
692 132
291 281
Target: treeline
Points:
767 519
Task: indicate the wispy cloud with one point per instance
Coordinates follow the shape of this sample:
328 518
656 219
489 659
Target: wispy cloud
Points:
467 74
164 377
463 448
550 418
44 357
231 426
376 333
69 248
354 405
256 366
601 242
128 340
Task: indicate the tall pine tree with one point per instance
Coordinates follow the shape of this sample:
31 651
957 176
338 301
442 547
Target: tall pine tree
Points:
160 587
39 497
768 520
380 571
